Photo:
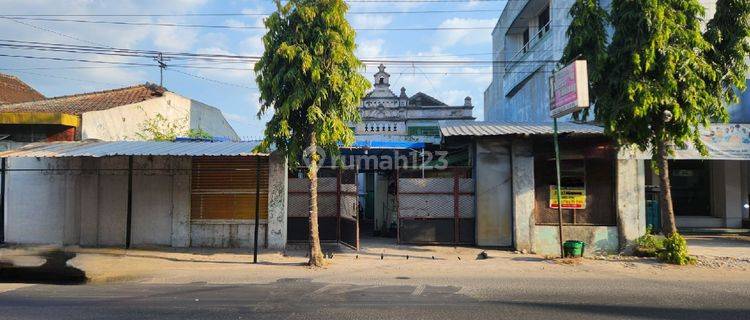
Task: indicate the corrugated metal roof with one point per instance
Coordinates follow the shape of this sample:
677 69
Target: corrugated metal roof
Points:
130 148
451 128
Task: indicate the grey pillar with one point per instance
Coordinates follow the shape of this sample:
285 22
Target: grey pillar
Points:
277 202
523 194
181 202
631 200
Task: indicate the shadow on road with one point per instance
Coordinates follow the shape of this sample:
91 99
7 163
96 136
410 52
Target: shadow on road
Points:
55 270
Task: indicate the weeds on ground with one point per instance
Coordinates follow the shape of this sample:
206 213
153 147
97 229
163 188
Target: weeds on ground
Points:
675 251
649 244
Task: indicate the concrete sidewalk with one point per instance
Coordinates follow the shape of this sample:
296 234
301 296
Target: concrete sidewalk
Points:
381 264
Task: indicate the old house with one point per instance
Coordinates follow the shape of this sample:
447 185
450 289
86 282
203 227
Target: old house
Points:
117 114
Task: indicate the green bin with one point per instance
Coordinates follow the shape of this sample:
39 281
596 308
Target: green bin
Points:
573 248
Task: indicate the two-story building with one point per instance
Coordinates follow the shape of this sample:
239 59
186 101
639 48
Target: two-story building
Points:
390 117
528 42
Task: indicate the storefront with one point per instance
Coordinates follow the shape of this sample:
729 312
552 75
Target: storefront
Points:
515 184
711 191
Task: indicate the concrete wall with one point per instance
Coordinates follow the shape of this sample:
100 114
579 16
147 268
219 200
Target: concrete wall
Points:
727 198
226 233
599 240
125 122
84 201
203 116
631 202
523 194
494 202
36 211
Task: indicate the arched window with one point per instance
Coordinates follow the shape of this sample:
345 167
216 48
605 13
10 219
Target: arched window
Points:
381 80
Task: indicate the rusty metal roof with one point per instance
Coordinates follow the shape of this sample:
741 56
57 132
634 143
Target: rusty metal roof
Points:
452 128
96 149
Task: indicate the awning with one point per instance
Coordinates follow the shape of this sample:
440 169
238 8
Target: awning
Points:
39 118
97 149
451 128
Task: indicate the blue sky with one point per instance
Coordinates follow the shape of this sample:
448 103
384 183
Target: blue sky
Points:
233 91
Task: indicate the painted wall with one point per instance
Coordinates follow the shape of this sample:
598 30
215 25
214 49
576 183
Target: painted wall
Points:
125 122
83 201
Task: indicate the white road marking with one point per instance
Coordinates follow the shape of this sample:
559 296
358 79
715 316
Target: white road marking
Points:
418 290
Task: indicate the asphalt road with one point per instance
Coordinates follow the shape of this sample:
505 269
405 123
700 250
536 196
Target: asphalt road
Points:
517 298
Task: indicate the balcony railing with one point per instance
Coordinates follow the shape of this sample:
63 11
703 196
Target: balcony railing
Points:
538 37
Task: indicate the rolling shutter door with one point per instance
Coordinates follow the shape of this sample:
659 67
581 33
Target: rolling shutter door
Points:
224 188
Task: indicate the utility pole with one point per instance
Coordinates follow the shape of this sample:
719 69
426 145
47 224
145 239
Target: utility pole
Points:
162 65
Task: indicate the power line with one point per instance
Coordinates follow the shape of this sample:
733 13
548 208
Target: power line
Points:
242 14
211 80
216 26
51 31
220 58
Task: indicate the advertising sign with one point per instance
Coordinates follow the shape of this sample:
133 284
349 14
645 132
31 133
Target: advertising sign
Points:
569 89
572 198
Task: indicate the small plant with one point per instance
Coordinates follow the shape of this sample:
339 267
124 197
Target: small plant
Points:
675 251
649 244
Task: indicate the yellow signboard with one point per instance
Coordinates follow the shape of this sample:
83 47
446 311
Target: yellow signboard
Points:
572 198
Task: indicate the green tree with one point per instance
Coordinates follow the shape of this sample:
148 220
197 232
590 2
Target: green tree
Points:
728 32
587 39
308 75
159 128
658 91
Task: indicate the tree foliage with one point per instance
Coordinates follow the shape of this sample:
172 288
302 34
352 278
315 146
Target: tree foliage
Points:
658 84
661 80
587 39
729 34
309 76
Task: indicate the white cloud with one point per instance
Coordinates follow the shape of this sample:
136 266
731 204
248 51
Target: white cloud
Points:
172 38
449 38
253 45
370 21
370 48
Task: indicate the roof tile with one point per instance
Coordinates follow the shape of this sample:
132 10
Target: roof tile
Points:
93 101
13 90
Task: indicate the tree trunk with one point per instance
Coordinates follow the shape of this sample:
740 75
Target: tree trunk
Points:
316 254
667 210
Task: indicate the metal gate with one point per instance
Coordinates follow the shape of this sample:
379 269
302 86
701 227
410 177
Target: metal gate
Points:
338 208
436 210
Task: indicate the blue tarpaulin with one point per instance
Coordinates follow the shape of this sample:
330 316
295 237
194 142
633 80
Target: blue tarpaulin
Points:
387 145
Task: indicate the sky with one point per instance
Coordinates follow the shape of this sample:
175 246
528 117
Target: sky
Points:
234 91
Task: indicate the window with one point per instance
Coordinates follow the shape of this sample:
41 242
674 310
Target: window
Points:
424 131
593 175
224 188
525 40
543 20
